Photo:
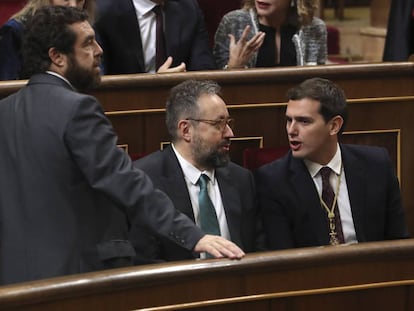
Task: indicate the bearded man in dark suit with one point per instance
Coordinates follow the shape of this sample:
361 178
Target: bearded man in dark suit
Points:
67 192
200 128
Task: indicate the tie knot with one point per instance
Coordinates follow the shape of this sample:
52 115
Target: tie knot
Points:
157 9
325 172
203 181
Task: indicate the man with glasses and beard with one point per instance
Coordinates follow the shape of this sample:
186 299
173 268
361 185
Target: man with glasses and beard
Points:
200 128
61 172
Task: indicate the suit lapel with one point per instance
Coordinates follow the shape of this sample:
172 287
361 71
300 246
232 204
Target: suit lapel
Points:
231 204
308 201
132 33
172 27
356 184
174 183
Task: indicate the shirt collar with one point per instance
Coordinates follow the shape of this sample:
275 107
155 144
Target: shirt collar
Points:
61 77
190 171
143 6
335 164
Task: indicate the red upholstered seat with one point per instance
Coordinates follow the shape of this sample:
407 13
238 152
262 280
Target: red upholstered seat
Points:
333 39
253 158
8 8
213 12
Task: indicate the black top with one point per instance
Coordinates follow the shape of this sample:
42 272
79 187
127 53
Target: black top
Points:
267 52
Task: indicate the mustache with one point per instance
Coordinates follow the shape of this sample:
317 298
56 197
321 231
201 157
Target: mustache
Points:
225 142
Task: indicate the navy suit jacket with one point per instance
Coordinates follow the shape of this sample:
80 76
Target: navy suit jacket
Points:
238 193
67 192
186 36
292 213
11 36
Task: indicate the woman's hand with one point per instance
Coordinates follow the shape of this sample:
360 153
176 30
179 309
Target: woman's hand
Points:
242 50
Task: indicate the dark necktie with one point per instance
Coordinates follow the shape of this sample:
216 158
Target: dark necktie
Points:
160 53
208 218
328 195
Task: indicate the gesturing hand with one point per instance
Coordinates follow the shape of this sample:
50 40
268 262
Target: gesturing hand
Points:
241 51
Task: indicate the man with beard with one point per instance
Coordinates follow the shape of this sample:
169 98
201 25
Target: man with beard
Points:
200 128
67 192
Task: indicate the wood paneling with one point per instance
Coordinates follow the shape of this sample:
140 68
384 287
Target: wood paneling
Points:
369 276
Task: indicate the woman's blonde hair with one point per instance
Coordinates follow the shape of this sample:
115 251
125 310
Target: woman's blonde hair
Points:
33 5
304 10
90 8
30 9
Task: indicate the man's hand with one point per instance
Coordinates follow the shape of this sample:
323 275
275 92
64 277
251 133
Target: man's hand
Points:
241 51
218 247
165 68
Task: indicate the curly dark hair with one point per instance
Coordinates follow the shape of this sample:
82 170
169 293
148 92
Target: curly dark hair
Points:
48 28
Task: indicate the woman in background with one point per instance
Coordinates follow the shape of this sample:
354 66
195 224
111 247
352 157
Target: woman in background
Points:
269 33
11 34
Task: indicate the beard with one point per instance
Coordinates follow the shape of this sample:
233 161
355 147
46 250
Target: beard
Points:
210 156
81 78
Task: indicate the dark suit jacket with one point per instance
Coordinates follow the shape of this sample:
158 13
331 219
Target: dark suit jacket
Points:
399 43
239 199
186 36
67 192
293 216
11 36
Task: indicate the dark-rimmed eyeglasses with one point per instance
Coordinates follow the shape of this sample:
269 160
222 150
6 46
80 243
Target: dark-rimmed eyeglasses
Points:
219 124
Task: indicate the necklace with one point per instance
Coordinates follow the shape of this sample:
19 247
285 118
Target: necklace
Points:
333 235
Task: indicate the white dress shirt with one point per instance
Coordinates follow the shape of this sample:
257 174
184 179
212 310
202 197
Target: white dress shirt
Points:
344 205
191 176
147 26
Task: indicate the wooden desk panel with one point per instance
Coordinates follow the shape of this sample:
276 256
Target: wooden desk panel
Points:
377 275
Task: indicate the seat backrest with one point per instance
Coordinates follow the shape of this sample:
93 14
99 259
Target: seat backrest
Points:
213 12
333 39
8 8
253 158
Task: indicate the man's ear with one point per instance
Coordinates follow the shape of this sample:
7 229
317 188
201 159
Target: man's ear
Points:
336 125
58 58
184 130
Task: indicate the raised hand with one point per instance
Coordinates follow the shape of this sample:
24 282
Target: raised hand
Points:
241 51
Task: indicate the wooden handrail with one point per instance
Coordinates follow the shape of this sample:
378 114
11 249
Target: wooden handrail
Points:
241 75
343 263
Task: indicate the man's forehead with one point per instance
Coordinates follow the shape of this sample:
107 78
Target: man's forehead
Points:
211 102
82 28
303 106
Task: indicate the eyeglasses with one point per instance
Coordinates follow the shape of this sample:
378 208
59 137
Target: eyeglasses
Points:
219 124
